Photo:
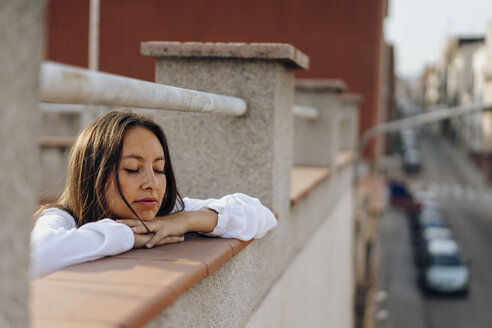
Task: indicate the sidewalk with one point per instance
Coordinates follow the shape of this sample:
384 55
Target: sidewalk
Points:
400 304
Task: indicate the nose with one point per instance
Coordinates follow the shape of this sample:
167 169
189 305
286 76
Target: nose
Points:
150 180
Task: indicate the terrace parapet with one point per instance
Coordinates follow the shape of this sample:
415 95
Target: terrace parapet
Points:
216 155
349 120
316 140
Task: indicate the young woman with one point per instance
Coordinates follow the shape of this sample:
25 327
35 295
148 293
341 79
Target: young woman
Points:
121 194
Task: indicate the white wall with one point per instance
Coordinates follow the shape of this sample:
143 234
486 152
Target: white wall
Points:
316 289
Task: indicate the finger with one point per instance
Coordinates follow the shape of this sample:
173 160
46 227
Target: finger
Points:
169 240
140 228
162 239
141 240
155 239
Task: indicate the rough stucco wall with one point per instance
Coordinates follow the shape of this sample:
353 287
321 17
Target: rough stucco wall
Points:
21 39
316 141
215 155
316 289
349 123
54 160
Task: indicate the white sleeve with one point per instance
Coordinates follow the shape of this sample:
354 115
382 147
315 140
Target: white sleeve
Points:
56 242
239 216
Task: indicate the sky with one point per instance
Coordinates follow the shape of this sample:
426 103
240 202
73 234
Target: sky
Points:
419 29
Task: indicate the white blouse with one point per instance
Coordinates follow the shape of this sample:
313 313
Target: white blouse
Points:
56 242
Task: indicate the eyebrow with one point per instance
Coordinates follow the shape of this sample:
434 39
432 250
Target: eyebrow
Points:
161 158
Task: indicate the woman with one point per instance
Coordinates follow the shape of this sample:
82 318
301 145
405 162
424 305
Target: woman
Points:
121 193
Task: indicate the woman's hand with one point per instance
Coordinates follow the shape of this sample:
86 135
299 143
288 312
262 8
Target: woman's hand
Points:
142 239
169 228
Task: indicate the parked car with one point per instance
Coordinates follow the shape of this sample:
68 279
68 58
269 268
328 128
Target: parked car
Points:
429 234
427 218
421 200
400 196
443 270
433 233
412 160
408 139
422 195
427 203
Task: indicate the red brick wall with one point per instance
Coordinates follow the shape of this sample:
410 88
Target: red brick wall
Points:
342 38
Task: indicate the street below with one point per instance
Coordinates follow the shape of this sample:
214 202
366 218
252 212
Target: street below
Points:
467 205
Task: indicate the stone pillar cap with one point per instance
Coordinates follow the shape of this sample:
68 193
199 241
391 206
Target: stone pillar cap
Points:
351 98
334 85
274 51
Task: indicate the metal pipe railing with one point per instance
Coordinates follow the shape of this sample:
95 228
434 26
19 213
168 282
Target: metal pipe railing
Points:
73 85
413 121
305 112
420 119
62 108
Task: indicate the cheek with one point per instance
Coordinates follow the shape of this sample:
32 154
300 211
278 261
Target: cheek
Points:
111 194
113 197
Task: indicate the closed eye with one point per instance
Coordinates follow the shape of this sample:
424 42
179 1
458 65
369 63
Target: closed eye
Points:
132 171
159 171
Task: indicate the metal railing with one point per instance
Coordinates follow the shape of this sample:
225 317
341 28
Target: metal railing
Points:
73 85
305 112
62 108
413 121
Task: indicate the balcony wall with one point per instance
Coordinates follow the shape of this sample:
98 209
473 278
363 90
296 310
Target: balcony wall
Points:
301 273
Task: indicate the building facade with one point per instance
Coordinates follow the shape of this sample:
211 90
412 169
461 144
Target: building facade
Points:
343 38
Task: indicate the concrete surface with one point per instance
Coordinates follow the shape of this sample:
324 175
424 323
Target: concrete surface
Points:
349 121
316 289
55 124
21 38
316 141
53 163
277 51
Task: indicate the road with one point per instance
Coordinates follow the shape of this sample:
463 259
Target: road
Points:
468 207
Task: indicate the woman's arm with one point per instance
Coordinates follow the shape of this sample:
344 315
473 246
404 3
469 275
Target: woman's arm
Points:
239 216
56 242
233 216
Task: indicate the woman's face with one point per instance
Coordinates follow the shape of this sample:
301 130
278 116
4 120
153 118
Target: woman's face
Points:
141 175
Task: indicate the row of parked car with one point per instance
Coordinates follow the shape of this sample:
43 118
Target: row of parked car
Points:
439 261
410 151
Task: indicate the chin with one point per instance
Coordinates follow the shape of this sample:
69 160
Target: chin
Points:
146 216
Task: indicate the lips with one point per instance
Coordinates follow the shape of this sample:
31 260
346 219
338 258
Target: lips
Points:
147 202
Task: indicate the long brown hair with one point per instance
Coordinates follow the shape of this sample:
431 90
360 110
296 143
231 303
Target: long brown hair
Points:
95 156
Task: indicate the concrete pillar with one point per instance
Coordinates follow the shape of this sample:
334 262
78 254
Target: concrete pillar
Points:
349 120
215 154
21 39
316 141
